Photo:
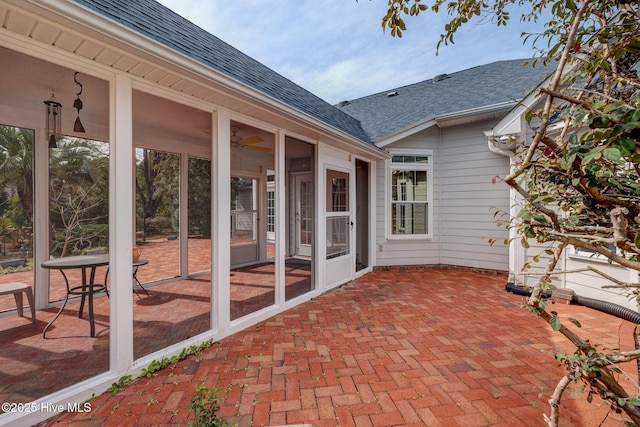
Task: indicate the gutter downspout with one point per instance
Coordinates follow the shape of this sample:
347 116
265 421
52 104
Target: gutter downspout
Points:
493 141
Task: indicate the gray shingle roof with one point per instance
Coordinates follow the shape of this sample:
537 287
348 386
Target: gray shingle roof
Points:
159 23
503 81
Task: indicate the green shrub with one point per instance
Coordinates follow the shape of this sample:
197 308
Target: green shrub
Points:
205 406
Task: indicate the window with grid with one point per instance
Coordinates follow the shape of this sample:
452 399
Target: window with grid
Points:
410 194
337 214
271 211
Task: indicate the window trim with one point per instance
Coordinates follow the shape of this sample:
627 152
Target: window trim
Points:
584 255
391 166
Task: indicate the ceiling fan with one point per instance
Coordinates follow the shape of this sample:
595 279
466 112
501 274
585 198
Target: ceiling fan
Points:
247 143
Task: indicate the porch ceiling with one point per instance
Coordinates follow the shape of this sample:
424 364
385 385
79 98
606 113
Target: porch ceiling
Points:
71 37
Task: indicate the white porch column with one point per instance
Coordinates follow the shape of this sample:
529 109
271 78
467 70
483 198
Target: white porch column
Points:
281 217
41 217
221 221
183 216
320 235
372 213
121 218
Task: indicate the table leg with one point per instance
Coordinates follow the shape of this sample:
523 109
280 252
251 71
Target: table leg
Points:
135 278
84 292
66 281
91 284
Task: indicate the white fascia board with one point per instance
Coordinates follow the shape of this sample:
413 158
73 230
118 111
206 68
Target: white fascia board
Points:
151 48
512 122
493 108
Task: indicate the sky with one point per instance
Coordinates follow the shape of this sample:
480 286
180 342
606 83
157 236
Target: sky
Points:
337 50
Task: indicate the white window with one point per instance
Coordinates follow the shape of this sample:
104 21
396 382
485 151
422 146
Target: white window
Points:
410 191
588 254
271 211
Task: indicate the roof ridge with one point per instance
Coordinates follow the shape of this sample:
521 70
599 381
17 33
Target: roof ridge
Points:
394 89
471 89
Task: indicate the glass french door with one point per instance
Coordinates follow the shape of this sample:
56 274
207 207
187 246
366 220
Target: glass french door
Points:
304 214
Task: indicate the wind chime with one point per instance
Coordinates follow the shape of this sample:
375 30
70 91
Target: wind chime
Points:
77 104
54 121
54 116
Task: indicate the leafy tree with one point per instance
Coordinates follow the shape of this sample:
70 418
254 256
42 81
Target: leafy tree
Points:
147 172
157 181
16 182
577 177
16 165
78 191
200 197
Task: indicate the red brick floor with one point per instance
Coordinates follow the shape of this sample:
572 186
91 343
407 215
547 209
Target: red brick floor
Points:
163 256
435 347
31 367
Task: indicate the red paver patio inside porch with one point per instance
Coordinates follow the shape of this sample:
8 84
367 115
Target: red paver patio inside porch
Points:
436 347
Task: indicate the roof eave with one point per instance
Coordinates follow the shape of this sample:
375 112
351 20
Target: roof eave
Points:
150 48
475 113
445 120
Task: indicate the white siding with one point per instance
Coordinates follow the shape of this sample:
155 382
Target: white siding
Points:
469 199
589 284
463 203
586 284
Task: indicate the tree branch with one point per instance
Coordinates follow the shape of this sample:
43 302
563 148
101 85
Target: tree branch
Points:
554 400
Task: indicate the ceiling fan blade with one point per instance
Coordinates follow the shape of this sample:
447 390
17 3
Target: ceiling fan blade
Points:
255 139
262 149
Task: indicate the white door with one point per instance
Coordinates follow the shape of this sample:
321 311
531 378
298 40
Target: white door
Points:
244 221
304 214
339 225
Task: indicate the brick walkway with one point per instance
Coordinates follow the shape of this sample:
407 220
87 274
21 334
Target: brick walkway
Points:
434 347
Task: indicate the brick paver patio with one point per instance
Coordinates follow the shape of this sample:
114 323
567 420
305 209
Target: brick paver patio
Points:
435 347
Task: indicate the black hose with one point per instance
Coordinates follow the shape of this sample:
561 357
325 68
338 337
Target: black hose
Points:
604 306
609 308
521 290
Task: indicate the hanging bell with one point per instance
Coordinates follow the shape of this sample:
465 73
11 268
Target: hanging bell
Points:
77 126
77 104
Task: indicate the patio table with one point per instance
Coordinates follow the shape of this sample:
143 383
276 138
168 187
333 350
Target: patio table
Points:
87 288
136 265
